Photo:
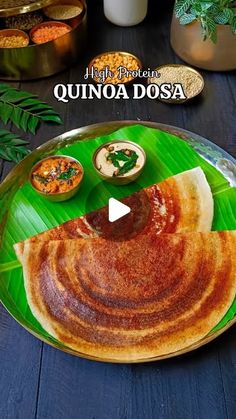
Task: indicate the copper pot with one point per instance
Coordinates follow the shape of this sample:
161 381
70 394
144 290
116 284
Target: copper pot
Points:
188 44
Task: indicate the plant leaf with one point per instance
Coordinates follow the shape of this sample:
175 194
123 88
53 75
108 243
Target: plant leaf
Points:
223 17
24 109
206 5
33 123
12 148
229 14
187 18
233 26
208 13
181 7
5 112
209 28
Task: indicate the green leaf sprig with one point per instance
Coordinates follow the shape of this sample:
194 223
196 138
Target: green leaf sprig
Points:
208 13
130 160
26 112
12 148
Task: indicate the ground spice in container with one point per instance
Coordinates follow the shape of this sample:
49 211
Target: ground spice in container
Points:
191 82
14 39
25 21
48 31
63 11
114 60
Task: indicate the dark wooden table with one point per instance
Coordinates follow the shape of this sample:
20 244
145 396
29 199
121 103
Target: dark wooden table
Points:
37 381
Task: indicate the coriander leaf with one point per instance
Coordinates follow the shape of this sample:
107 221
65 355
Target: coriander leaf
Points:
129 165
129 157
117 155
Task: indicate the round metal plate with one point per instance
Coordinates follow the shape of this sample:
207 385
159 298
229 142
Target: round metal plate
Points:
209 151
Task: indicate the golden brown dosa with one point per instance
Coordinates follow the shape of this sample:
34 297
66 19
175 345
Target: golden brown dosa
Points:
149 296
181 203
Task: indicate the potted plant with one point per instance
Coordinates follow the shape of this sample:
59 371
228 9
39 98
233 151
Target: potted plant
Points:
203 33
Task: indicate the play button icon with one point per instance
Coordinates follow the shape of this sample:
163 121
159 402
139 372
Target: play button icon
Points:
117 210
120 219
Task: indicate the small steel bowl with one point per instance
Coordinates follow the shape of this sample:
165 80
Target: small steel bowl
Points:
119 180
62 196
14 32
176 101
45 24
123 53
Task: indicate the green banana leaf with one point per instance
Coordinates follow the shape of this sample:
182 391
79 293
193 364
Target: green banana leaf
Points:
30 214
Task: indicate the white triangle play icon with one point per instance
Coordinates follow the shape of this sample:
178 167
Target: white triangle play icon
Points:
117 210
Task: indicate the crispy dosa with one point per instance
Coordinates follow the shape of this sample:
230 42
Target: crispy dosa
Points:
179 204
130 300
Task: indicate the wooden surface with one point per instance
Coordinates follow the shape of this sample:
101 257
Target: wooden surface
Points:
37 381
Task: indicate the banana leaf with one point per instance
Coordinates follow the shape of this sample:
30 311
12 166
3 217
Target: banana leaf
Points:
29 214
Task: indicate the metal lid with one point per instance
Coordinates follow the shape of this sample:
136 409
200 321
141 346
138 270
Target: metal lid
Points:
16 7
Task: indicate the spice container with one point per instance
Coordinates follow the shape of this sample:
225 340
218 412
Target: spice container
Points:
112 61
24 22
44 59
48 31
64 11
190 79
13 38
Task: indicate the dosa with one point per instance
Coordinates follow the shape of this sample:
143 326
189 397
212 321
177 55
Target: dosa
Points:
179 204
128 300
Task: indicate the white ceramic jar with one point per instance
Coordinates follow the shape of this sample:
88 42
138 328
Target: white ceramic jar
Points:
125 12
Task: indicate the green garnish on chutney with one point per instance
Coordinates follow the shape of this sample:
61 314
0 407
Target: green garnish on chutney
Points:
63 176
130 158
69 174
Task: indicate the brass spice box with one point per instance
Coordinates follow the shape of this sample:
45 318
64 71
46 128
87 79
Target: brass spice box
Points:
42 60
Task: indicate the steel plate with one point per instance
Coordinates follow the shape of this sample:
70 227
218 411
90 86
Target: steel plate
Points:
206 149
